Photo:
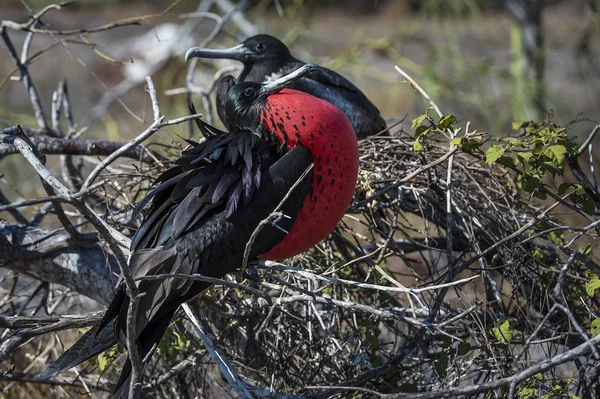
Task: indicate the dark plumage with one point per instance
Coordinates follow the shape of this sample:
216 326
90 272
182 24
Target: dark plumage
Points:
223 86
201 216
266 57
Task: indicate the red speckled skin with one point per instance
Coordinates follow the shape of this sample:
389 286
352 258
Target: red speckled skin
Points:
301 119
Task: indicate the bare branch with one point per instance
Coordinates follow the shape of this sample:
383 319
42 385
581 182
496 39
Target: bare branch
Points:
214 348
29 86
66 146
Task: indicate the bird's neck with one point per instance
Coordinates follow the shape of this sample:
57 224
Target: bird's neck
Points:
268 70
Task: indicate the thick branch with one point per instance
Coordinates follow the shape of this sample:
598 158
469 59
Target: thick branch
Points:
53 257
64 146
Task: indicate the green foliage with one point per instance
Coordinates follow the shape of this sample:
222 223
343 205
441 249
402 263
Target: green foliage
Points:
579 196
106 358
421 130
493 154
529 390
467 144
584 200
463 348
372 339
171 344
538 152
504 332
555 236
450 350
408 388
424 125
537 387
447 122
595 330
441 365
592 284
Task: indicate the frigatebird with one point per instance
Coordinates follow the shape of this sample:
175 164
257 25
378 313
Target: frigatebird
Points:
266 58
286 151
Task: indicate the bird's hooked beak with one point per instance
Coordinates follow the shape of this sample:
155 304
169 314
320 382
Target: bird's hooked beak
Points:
238 53
269 88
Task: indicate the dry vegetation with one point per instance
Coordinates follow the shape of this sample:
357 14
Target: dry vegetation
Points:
452 274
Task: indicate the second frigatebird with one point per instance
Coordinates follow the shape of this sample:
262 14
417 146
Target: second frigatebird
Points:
205 209
266 58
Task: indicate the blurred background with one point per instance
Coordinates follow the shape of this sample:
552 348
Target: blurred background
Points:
491 62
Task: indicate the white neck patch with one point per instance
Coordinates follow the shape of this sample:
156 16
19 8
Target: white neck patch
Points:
274 76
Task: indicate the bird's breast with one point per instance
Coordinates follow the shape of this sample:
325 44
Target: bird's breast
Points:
298 118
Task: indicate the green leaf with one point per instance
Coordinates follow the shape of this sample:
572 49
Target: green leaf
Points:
552 168
463 348
171 344
530 127
372 339
593 283
557 153
527 392
493 154
422 131
526 155
539 255
393 376
182 342
595 327
419 120
446 122
456 141
557 238
441 364
407 387
541 195
102 362
472 144
531 183
506 161
417 146
516 126
563 188
512 141
106 358
587 203
504 332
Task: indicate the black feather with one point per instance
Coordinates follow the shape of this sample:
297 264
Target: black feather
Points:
192 109
194 217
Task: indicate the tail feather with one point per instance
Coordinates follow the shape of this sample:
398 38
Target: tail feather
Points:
147 343
122 388
89 345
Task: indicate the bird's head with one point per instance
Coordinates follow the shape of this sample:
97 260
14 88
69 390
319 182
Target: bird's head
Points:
246 101
266 50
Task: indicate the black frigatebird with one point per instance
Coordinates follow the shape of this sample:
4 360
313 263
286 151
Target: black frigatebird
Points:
266 58
204 210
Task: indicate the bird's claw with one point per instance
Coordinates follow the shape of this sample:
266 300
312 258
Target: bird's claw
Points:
252 274
278 219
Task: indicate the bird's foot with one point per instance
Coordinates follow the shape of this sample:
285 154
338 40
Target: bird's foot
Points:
252 274
280 216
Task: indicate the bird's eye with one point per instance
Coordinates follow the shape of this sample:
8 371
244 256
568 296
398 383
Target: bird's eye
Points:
249 92
259 47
